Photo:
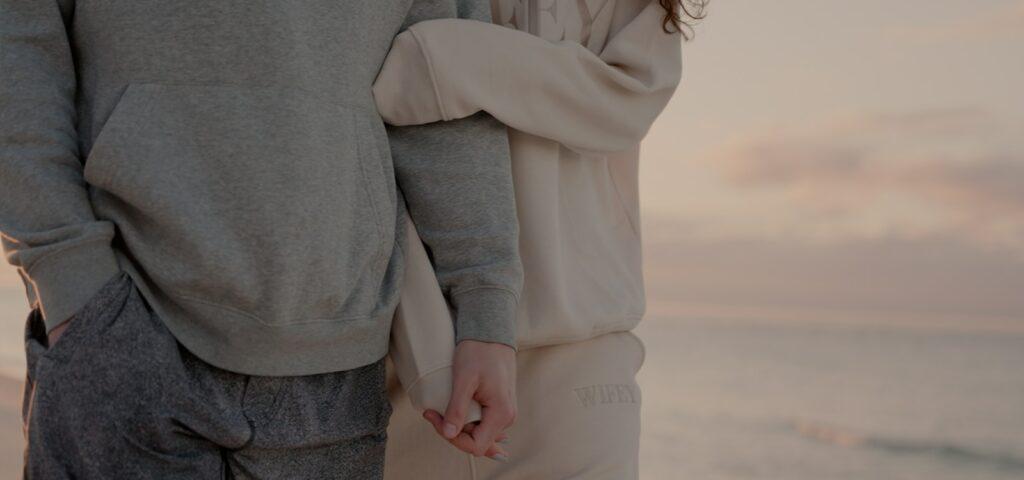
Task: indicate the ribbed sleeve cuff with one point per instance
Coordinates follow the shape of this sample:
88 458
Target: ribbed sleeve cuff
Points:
64 281
486 314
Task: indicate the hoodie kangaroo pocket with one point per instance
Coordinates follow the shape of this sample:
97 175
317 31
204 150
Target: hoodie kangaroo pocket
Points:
258 201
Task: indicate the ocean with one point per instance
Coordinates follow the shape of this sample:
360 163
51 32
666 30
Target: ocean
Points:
730 400
763 399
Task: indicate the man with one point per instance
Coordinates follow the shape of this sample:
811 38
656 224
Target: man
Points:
200 199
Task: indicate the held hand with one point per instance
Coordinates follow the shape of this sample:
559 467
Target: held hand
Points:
464 441
484 372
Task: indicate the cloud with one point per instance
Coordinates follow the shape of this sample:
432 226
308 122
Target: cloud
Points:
928 172
938 279
985 186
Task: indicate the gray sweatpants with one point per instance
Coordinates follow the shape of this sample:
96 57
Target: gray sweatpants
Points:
117 397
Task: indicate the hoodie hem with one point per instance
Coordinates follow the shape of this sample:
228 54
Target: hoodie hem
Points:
237 343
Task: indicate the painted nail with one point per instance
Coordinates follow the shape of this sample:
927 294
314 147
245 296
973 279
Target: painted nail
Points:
450 430
504 441
501 457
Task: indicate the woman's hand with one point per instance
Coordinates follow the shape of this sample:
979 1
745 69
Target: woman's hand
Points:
485 372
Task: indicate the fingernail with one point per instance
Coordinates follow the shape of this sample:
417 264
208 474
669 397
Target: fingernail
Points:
504 441
450 430
501 457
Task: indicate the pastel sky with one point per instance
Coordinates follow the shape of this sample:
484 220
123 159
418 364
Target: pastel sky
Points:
911 110
855 161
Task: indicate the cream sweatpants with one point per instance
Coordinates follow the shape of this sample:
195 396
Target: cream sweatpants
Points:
578 417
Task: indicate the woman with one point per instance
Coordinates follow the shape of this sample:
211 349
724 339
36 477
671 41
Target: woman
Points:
578 100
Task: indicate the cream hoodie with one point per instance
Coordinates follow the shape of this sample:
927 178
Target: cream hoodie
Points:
579 83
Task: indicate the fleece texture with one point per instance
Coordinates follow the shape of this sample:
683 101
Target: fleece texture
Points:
230 158
579 84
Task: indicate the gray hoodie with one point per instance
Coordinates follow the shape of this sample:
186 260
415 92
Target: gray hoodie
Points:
229 156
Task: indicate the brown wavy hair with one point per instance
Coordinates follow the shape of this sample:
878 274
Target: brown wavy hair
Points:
682 15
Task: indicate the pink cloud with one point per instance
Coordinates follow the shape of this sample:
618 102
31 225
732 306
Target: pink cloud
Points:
950 163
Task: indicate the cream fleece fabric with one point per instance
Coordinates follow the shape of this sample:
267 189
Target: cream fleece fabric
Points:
579 84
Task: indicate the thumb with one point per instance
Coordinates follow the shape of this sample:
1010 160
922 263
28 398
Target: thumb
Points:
463 388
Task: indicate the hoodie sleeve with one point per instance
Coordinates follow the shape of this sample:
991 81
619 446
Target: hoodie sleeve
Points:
446 69
47 226
422 338
457 179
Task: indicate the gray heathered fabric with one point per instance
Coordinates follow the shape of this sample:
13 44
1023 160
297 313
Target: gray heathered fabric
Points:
117 397
228 155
